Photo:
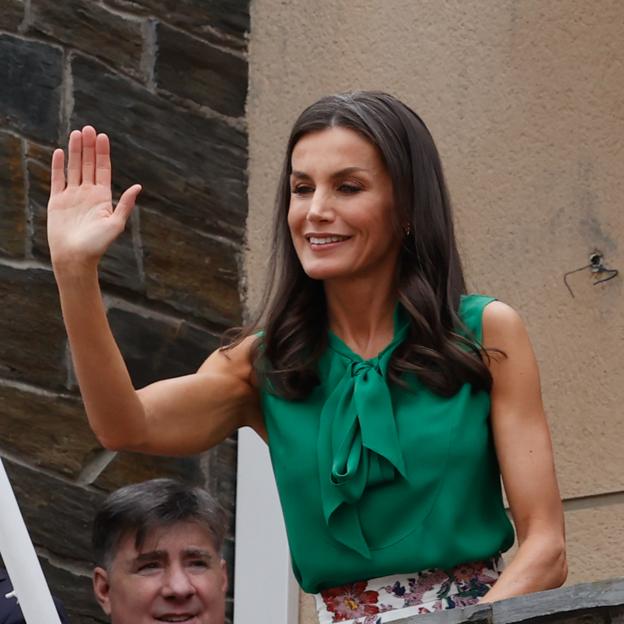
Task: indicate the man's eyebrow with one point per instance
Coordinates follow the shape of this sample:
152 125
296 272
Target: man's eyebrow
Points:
151 555
336 174
197 552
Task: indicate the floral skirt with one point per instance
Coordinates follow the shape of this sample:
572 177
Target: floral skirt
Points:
391 598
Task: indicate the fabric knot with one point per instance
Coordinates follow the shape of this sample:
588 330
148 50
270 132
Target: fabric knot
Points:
358 445
364 367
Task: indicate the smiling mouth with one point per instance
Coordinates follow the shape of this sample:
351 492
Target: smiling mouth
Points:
326 240
184 617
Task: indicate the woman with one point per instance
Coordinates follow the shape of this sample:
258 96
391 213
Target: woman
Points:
388 397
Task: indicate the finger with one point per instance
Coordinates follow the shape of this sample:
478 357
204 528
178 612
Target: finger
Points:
74 158
88 155
102 160
57 181
127 201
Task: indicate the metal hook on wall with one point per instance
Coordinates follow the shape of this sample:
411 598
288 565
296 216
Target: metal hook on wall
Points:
597 266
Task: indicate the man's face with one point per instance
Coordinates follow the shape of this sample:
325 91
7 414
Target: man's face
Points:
177 576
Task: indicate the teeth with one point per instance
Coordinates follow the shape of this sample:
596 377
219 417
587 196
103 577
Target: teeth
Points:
174 618
314 240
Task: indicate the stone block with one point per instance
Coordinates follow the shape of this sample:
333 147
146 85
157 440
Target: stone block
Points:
58 514
135 467
193 272
38 195
158 348
119 266
224 22
75 591
11 15
191 68
616 615
92 28
219 466
32 348
45 430
595 616
30 98
40 152
39 191
38 166
586 602
38 158
477 614
191 167
13 224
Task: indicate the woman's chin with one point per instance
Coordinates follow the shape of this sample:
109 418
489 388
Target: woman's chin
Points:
326 273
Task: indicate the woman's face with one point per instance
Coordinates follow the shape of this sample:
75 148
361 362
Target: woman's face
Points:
341 205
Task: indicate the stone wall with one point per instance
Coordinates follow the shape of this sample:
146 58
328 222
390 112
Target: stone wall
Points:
585 603
167 80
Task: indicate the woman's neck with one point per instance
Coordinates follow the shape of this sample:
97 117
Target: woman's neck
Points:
361 314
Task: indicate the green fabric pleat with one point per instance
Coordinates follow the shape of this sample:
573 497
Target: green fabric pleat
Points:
358 445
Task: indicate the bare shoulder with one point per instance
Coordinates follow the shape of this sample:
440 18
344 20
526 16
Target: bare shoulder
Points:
229 357
236 360
233 366
502 325
512 360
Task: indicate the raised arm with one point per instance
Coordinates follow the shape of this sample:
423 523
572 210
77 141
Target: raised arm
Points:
525 456
175 416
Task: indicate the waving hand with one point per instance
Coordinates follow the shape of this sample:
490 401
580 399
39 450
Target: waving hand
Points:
82 222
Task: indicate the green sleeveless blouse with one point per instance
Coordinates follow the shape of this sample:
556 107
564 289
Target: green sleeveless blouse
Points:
375 479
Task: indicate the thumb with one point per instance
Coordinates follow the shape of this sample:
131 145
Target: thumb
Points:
126 202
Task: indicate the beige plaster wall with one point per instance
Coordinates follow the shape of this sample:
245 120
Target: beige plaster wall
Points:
525 99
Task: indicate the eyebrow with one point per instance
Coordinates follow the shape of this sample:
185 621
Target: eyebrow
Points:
151 555
162 554
337 174
197 552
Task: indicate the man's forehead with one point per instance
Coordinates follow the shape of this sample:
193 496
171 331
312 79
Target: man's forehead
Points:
183 537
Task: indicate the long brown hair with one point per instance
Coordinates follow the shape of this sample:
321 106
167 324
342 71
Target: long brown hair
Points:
430 280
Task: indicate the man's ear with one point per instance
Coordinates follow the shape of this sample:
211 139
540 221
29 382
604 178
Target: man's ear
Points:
101 589
224 573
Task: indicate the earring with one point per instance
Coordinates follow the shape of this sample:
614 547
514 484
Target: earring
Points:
407 229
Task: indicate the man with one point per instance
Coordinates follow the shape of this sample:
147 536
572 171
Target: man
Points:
10 611
158 549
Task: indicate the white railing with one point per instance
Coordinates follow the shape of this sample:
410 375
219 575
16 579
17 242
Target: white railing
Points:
29 584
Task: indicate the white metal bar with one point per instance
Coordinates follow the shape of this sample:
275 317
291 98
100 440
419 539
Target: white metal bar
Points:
265 591
21 561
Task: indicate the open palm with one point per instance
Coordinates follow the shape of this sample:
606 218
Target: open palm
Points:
82 222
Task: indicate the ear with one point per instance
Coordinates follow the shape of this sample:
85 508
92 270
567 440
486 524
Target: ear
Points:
224 583
101 589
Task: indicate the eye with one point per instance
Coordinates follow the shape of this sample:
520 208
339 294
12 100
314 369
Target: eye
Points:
301 189
349 189
199 563
149 566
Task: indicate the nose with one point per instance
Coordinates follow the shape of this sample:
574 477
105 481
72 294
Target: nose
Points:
177 584
320 207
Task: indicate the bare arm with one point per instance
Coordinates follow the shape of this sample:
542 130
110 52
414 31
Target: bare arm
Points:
525 455
176 416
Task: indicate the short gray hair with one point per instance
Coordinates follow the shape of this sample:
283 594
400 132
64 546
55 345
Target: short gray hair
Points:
140 507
